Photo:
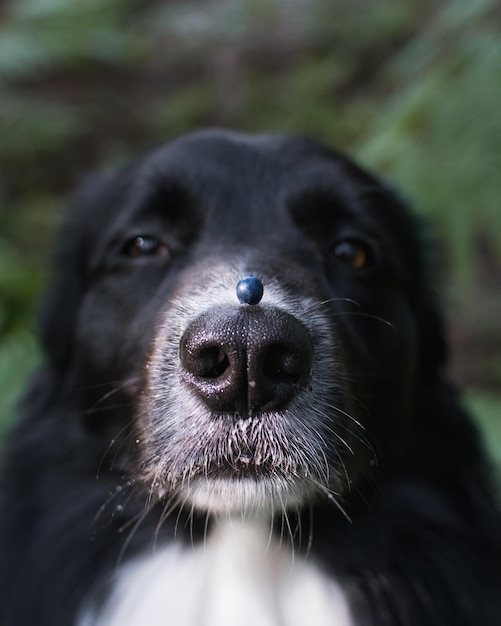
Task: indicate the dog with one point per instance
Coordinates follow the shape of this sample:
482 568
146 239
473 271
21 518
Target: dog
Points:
242 415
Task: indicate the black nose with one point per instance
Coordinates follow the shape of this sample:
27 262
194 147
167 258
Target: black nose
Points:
246 360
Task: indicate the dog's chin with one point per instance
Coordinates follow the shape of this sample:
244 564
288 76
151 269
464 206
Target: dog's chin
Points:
267 464
246 495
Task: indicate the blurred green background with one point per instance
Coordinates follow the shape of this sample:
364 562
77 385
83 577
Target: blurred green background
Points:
412 89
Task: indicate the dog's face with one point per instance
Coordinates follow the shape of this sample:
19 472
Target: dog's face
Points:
231 399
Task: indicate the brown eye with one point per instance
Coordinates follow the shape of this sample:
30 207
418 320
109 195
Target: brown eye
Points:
355 253
145 245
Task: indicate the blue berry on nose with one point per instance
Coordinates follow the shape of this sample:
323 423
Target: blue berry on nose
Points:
250 290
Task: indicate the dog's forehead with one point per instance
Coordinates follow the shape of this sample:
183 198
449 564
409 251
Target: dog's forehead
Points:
254 175
223 155
221 145
241 187
258 175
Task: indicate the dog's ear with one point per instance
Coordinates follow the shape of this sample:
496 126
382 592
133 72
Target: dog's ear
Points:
418 245
451 443
57 316
432 342
433 352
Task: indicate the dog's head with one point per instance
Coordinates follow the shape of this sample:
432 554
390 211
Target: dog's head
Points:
250 312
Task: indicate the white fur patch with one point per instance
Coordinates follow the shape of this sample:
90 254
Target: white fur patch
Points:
239 577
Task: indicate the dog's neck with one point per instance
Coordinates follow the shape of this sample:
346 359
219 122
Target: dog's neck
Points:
240 575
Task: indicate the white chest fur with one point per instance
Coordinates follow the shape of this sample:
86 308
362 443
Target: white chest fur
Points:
238 578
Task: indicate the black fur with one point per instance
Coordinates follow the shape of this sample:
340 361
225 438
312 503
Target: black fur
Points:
421 546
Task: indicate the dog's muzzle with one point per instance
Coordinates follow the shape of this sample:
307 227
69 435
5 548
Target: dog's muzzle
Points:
244 389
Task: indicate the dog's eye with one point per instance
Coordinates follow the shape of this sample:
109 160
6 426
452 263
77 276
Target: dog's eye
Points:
145 245
355 253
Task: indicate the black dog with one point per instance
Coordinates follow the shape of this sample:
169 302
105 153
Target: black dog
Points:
242 418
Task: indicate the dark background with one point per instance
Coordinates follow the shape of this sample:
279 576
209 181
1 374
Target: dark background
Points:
412 89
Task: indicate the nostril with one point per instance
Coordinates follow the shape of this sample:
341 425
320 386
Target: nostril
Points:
283 363
203 360
212 362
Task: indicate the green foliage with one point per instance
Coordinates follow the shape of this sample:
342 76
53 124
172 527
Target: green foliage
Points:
18 357
439 134
36 125
44 34
487 408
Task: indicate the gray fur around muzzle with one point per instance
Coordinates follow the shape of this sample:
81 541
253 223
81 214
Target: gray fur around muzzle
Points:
242 400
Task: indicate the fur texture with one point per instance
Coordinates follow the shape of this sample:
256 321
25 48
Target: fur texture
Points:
319 422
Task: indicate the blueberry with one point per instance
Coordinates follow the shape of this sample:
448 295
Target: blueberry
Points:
249 290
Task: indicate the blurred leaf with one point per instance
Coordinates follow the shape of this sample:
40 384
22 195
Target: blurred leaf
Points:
440 134
34 125
487 408
18 357
44 33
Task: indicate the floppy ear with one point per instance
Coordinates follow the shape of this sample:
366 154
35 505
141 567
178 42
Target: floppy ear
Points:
423 255
433 352
452 450
59 308
433 348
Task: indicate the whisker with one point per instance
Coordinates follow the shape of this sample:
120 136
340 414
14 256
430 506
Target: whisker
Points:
167 510
310 533
360 437
331 495
118 382
332 300
346 414
137 521
322 303
299 527
341 509
190 520
270 535
285 518
110 393
110 445
377 318
117 493
206 529
178 518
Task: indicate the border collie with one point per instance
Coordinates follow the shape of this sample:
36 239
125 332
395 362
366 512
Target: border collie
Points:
242 416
